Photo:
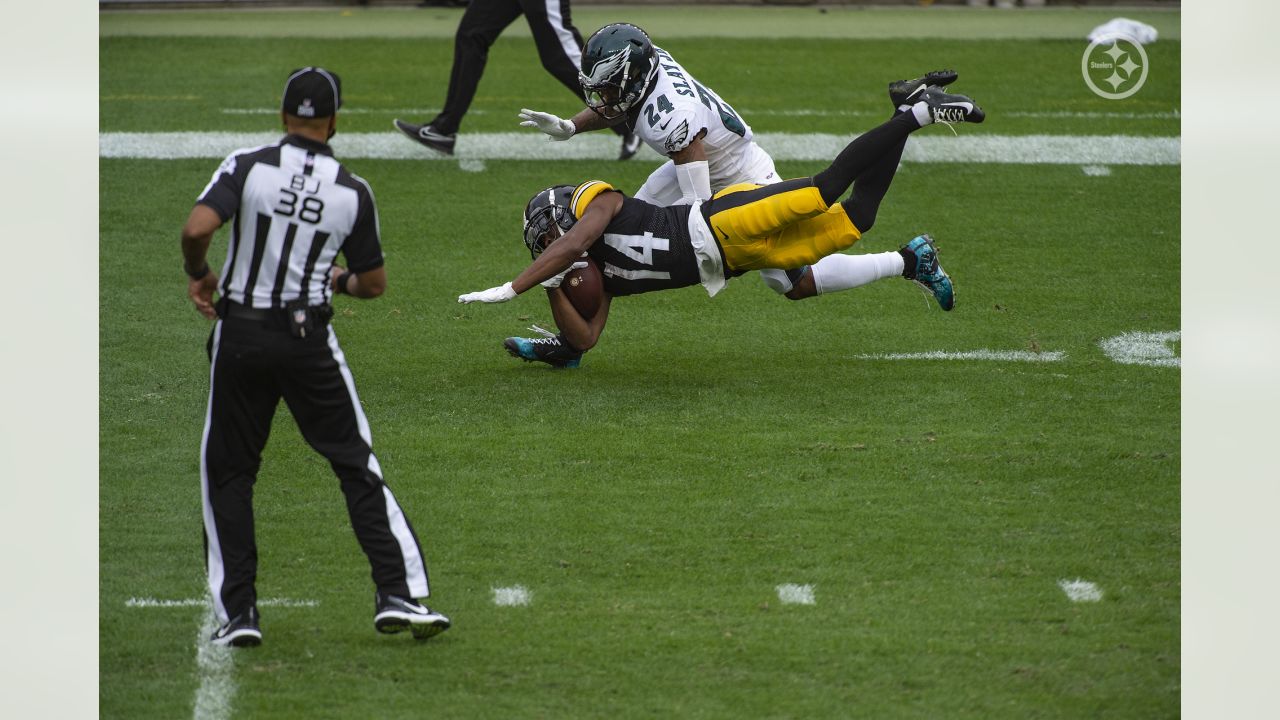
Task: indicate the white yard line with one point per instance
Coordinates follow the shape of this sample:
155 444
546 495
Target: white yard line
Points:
934 148
1080 590
1000 355
1143 348
419 113
513 596
216 669
790 594
149 602
404 113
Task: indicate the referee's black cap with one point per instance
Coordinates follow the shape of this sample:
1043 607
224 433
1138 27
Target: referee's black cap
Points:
312 92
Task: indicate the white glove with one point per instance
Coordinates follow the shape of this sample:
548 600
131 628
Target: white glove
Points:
555 280
557 128
492 295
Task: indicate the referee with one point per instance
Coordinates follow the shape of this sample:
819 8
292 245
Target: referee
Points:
559 47
294 208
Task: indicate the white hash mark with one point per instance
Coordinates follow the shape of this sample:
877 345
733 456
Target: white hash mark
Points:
791 594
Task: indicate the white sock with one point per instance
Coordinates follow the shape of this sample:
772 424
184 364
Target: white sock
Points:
834 273
921 111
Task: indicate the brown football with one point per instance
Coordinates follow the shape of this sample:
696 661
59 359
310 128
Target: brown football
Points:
585 289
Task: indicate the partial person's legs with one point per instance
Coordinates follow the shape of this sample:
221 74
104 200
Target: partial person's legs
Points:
837 272
481 24
560 45
321 394
798 221
559 42
242 401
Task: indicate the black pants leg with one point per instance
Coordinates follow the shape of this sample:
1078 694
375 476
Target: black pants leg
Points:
481 24
242 402
559 42
321 395
253 367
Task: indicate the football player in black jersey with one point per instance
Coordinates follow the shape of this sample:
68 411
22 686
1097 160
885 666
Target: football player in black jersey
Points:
641 247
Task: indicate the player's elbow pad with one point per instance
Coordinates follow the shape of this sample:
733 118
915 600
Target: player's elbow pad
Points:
695 181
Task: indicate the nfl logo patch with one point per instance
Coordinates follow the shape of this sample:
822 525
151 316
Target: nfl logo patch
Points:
305 109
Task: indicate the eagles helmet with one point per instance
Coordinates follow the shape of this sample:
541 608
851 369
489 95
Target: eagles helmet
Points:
618 66
549 207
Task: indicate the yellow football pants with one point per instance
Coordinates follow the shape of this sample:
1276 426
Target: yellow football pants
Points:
786 225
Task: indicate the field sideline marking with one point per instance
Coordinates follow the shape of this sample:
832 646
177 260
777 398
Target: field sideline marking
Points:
1143 348
1080 590
149 602
1016 149
1004 355
792 594
513 596
215 666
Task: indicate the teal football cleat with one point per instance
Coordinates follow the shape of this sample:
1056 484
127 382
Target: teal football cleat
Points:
550 349
921 266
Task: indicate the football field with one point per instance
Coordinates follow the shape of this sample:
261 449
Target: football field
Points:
852 506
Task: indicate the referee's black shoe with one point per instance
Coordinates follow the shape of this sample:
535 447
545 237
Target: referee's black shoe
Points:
240 631
395 614
426 135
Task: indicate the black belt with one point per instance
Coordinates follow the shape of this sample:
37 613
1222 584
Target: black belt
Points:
272 316
243 312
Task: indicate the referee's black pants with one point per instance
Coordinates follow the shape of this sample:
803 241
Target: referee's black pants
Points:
253 365
559 47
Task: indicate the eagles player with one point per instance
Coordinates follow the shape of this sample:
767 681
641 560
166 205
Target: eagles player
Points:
626 79
641 247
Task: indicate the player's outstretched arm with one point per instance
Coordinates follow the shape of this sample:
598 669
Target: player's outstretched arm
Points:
587 120
559 128
560 255
567 248
556 127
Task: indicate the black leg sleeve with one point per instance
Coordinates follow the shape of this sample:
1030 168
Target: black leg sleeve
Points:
321 394
869 188
862 154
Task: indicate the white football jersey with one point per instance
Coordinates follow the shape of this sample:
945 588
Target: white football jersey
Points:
676 110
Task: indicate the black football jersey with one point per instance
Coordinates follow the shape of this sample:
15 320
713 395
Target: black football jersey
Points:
644 248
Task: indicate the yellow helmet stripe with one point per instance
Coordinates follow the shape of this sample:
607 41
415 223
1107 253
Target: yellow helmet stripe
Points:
584 194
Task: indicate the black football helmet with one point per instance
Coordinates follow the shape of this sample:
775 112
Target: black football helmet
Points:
618 66
549 207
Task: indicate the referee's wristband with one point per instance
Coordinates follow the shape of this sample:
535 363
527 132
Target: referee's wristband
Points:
341 282
199 274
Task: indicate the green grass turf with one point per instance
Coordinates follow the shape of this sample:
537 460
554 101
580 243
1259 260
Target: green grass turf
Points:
708 450
1026 86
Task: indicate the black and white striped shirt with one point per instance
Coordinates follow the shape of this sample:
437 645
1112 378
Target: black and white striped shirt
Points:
295 208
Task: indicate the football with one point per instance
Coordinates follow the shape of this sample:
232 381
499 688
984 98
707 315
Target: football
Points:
585 289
